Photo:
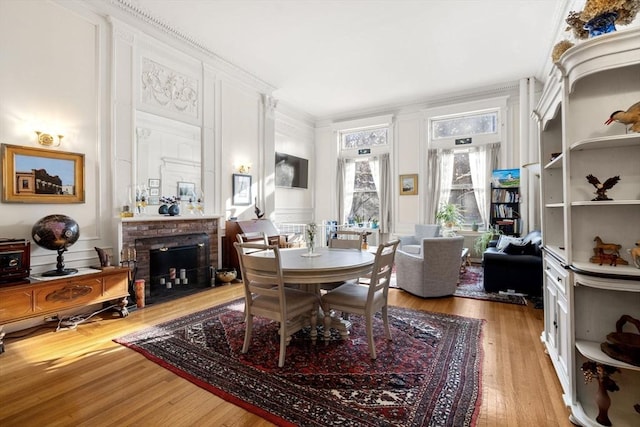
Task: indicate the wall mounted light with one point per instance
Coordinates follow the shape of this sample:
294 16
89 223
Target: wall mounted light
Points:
244 168
48 140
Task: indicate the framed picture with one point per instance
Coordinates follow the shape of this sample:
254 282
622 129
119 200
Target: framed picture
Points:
186 190
154 183
37 175
241 189
154 191
409 185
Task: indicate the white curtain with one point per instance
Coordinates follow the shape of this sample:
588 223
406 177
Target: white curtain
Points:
482 161
445 165
380 169
346 183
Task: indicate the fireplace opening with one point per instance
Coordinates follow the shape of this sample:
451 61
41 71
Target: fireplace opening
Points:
175 266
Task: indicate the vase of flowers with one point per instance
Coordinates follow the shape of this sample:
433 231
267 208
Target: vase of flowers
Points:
311 232
601 16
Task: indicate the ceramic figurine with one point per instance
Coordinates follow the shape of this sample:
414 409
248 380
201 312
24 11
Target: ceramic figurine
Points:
601 188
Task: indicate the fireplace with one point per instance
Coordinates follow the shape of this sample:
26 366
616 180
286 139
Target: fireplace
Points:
187 244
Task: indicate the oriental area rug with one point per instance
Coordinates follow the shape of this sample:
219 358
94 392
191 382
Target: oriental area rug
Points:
429 374
471 286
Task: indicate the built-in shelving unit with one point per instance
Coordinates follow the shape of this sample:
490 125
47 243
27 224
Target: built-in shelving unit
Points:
505 210
583 300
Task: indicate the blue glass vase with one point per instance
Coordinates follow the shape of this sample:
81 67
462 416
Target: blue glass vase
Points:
174 210
601 24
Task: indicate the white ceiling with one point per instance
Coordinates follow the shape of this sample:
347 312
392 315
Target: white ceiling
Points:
329 57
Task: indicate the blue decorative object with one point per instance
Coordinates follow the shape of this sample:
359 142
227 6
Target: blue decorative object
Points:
163 210
174 210
601 24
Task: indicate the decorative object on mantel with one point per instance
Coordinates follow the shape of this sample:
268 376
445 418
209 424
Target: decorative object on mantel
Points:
629 117
608 253
169 206
602 373
601 188
624 346
56 232
259 213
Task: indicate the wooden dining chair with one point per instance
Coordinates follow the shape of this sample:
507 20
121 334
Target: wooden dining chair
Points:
346 239
366 300
255 237
266 296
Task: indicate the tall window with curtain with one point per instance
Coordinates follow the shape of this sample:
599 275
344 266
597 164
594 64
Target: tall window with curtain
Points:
364 181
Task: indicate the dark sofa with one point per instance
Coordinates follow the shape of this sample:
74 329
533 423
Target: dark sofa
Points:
517 267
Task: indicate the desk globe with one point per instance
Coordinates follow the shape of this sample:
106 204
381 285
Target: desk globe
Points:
56 233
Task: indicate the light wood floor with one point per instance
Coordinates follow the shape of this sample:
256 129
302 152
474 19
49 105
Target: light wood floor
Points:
81 378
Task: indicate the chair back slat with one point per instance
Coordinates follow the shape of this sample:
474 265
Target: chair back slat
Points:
382 269
261 271
346 239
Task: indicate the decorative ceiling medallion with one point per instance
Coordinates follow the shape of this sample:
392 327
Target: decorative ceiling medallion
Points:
164 87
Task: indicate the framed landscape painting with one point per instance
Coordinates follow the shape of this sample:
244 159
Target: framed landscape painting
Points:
37 175
408 185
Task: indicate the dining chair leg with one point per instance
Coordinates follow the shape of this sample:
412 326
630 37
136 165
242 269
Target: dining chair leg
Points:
372 345
314 325
248 329
283 346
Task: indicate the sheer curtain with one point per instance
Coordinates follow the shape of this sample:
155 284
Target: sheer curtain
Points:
380 169
482 161
445 166
346 183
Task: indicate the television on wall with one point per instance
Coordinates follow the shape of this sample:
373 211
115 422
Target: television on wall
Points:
291 171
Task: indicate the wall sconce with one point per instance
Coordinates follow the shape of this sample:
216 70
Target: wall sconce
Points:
244 169
48 140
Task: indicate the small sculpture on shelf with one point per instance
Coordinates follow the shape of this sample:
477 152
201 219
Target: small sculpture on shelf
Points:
601 373
635 254
629 117
257 210
601 188
608 253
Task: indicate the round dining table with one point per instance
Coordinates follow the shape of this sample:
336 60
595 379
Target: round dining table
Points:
324 265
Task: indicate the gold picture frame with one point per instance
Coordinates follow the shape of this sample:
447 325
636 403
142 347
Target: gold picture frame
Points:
38 175
409 185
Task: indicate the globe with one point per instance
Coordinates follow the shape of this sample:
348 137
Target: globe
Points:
56 232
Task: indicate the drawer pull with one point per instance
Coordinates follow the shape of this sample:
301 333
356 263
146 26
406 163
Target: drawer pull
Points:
559 279
69 293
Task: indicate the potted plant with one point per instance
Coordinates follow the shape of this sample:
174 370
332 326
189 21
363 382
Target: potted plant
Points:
482 241
450 216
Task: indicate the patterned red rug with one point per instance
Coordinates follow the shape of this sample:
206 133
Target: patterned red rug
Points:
430 374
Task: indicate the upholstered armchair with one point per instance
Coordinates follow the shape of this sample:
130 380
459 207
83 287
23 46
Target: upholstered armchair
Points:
413 244
436 273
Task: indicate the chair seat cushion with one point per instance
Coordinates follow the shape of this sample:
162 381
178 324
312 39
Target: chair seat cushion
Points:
412 249
295 300
349 295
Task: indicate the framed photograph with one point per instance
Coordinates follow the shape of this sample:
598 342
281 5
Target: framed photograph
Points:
154 200
409 185
153 191
37 175
154 183
186 190
241 189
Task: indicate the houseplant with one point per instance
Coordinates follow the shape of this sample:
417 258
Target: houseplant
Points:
482 241
450 216
623 12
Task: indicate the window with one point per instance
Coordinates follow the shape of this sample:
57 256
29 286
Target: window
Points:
364 138
462 190
480 123
365 205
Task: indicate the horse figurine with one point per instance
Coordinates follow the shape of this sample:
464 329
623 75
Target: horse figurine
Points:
611 247
635 254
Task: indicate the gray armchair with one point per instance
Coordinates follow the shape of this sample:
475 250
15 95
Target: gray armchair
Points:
434 275
413 244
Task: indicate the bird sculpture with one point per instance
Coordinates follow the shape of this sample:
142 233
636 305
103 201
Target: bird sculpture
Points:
601 188
629 117
257 210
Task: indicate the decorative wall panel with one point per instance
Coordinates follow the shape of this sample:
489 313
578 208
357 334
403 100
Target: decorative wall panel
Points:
163 87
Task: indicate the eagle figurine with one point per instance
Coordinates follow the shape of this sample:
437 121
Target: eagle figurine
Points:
259 213
601 188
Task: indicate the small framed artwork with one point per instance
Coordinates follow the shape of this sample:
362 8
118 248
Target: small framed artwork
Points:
241 189
409 185
37 175
154 200
154 183
186 190
154 191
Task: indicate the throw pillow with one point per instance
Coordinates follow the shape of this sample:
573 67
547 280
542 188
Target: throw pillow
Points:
504 241
519 249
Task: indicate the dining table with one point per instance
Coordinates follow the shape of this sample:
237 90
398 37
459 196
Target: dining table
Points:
324 265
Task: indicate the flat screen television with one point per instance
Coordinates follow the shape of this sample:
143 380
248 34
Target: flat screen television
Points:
291 171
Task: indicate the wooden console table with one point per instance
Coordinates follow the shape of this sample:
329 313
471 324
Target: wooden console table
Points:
45 297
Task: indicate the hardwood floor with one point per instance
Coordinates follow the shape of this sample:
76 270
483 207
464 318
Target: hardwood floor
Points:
82 378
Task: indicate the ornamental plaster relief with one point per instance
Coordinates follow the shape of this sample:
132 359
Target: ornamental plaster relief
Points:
165 88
